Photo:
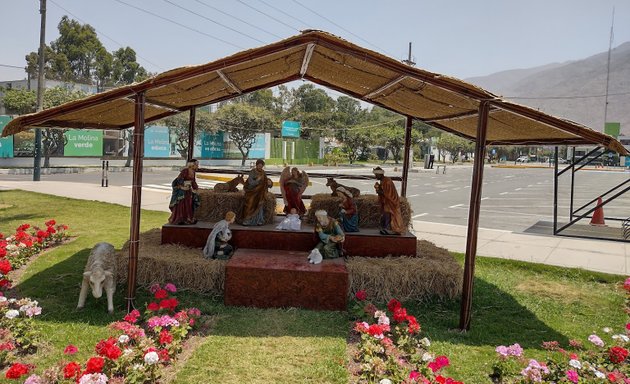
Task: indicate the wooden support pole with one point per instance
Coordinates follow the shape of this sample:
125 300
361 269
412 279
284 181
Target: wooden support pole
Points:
405 170
136 200
473 217
191 134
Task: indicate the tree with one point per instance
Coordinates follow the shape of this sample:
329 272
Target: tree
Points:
348 113
179 124
24 101
454 145
357 143
243 121
313 107
392 137
125 68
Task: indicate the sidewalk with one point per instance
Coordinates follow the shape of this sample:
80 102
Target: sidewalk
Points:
595 255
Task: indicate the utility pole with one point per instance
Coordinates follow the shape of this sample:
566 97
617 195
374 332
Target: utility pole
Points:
40 90
612 26
408 61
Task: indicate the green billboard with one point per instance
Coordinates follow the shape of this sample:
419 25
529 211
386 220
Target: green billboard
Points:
612 129
6 143
82 142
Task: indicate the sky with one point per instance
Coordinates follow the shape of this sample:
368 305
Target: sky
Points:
459 38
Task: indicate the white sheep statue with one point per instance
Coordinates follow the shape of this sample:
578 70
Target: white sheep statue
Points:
99 274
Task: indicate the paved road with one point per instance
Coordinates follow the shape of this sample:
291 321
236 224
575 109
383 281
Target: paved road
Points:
512 199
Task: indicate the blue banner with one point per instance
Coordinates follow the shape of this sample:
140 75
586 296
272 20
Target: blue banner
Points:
291 128
257 151
212 145
6 143
156 142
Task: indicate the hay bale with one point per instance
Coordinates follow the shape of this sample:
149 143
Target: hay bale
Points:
405 278
185 267
367 206
215 205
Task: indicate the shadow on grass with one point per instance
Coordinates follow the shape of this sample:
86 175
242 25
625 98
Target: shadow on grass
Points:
57 290
17 217
497 319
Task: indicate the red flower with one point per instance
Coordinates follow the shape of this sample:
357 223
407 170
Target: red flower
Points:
8 346
132 316
439 363
153 306
361 295
71 370
163 354
70 350
393 305
170 304
17 370
3 252
400 314
5 266
161 294
413 327
95 365
5 283
51 230
165 337
1 235
628 326
42 234
617 354
50 223
375 330
108 348
413 375
23 227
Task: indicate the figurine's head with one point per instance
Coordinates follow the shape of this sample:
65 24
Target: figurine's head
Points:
321 216
378 172
295 173
260 163
293 211
230 217
192 164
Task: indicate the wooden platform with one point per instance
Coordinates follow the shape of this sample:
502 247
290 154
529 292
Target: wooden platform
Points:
368 242
269 278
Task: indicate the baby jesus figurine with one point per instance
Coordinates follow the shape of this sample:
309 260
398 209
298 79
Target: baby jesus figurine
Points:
291 222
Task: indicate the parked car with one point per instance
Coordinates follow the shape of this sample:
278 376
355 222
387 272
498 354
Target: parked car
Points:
523 159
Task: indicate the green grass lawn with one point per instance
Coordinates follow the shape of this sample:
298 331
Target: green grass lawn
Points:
513 302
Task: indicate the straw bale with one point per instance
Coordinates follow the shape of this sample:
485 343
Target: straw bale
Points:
214 206
185 267
367 205
433 272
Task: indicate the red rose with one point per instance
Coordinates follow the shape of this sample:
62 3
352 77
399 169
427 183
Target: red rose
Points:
71 370
17 370
393 305
361 295
161 294
50 223
5 266
153 306
617 354
95 365
165 337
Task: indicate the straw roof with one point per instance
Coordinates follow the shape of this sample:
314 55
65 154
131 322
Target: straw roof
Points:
444 102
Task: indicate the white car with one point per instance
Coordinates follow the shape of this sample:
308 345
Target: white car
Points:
523 159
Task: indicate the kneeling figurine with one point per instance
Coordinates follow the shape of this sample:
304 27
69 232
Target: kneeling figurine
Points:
291 222
330 235
217 246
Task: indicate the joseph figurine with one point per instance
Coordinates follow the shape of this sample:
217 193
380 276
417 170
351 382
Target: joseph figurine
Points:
391 217
255 189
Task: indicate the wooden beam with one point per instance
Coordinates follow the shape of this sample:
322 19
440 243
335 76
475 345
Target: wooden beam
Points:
384 87
405 170
136 201
191 133
160 104
307 58
229 82
473 217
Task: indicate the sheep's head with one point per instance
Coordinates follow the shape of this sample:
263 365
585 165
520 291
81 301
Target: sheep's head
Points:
96 279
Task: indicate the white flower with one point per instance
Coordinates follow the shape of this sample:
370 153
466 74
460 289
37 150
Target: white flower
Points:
11 301
599 375
383 320
151 358
93 378
137 367
22 245
3 299
425 342
575 364
427 356
622 337
385 381
127 352
123 339
33 311
606 330
12 313
378 314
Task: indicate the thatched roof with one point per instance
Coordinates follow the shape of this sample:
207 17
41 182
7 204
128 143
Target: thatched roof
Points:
441 101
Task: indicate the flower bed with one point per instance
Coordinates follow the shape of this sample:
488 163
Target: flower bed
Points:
391 347
139 346
600 359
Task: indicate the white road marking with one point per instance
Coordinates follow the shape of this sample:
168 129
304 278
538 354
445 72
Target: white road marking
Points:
467 186
484 198
504 193
429 193
413 195
420 215
518 189
456 205
444 190
456 189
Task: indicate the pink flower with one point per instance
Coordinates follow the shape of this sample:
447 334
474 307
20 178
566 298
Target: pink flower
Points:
626 284
361 295
70 350
572 376
413 375
170 287
596 340
154 288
